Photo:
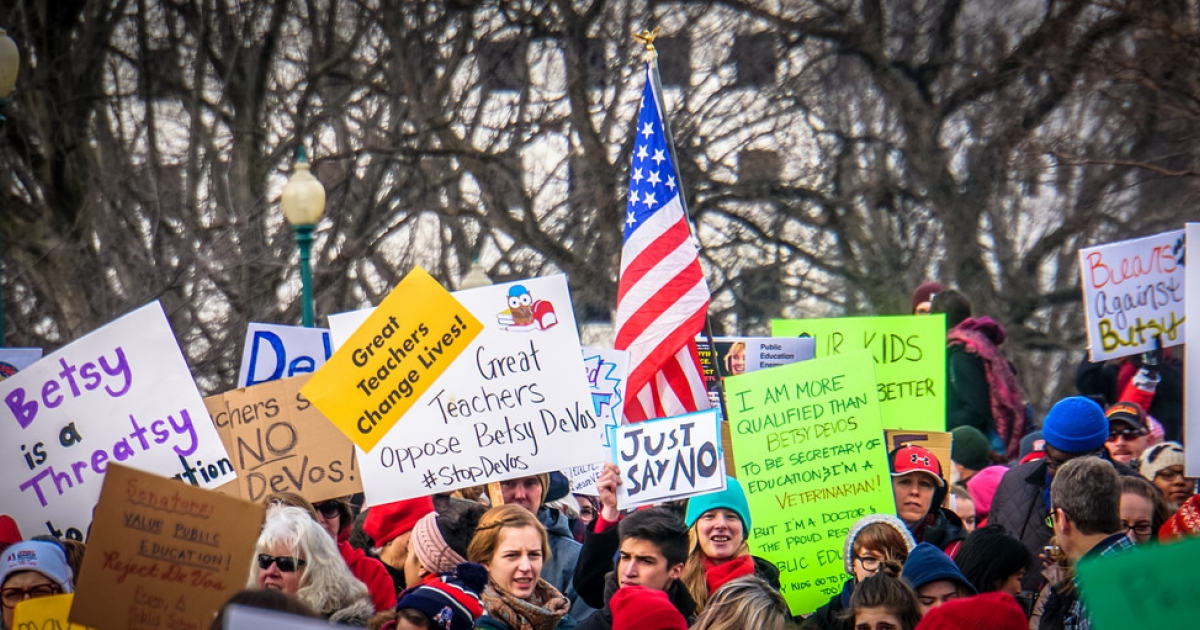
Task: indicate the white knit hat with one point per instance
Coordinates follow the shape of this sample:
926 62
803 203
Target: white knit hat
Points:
1160 457
886 519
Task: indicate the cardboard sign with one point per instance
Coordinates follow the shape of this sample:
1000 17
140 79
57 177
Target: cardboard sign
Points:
13 360
279 442
936 442
162 554
909 353
669 459
120 394
273 351
1145 587
393 358
45 613
738 355
809 448
1191 403
516 403
1133 290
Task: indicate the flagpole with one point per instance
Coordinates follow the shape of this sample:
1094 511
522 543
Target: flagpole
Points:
650 56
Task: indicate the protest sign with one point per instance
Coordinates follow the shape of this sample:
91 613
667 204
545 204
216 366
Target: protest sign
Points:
120 394
392 359
809 448
936 442
909 353
162 554
273 351
13 360
1191 402
1132 291
583 478
738 355
669 459
516 404
45 613
279 442
1149 586
606 369
239 617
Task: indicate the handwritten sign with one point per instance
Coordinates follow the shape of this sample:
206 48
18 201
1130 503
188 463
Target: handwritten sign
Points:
162 554
738 355
279 442
808 443
1143 587
273 351
392 359
1132 291
516 404
1191 403
120 394
13 360
669 459
909 353
45 613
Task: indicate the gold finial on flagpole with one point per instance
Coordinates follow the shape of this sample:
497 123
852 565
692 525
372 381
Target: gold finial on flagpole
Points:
647 38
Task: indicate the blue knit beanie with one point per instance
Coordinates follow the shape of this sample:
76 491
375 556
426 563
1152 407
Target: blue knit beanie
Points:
927 564
1075 425
731 498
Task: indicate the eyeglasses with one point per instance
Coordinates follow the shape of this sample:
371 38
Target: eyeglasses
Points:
329 509
10 597
869 563
1170 474
1129 433
287 564
1141 529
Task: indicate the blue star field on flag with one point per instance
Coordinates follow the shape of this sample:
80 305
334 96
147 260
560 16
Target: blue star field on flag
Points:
652 177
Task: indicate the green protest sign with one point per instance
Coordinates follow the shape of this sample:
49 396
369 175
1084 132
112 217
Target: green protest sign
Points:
910 361
1145 587
808 446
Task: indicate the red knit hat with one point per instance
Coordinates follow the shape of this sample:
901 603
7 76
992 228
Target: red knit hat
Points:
1184 523
385 522
10 534
637 607
989 611
925 293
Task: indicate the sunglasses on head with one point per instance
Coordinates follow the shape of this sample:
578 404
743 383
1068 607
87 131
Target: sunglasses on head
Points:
329 509
287 564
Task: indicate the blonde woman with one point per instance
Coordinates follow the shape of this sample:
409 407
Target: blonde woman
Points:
745 602
513 546
718 524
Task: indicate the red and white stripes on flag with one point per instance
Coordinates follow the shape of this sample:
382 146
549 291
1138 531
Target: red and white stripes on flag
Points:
662 295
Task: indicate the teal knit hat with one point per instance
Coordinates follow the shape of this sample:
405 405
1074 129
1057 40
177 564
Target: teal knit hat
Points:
731 498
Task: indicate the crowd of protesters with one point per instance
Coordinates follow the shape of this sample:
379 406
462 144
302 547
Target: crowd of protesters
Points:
989 539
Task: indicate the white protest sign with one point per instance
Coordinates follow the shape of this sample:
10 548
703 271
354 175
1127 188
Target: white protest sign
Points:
239 617
669 459
1132 291
122 393
607 370
13 360
515 404
274 351
1191 362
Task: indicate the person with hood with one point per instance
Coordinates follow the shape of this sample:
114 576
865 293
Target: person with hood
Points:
532 493
718 524
296 556
872 541
334 517
981 386
920 489
1075 427
982 487
934 577
32 569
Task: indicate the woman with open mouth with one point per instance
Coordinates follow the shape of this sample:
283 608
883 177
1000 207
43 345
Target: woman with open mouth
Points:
513 545
718 524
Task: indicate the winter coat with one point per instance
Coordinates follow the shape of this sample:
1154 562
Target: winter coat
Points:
373 573
488 622
356 614
944 532
830 616
564 550
1018 507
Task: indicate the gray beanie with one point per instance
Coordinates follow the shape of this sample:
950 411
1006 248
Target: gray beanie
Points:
886 519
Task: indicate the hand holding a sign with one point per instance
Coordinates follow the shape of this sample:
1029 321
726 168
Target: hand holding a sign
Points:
606 485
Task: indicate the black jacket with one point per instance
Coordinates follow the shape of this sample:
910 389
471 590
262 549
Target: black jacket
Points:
831 616
947 528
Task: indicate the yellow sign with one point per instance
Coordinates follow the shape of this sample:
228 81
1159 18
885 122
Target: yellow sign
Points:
45 613
394 357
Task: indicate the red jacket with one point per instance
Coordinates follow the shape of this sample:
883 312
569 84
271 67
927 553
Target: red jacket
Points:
370 571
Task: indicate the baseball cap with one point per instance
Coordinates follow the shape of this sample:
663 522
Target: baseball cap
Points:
910 459
1128 413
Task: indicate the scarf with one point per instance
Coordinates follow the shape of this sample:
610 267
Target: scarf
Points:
716 575
980 337
542 611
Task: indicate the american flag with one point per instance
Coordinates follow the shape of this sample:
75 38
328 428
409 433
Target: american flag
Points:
662 295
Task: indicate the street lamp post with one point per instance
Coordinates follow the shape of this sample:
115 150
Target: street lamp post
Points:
10 62
303 203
